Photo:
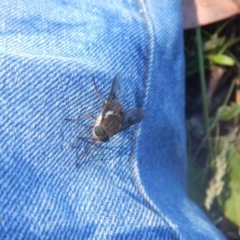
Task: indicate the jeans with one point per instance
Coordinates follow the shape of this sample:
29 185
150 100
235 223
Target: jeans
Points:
132 187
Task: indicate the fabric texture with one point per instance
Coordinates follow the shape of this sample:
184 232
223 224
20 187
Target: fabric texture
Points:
133 187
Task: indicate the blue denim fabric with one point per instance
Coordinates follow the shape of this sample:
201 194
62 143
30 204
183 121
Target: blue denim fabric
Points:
134 187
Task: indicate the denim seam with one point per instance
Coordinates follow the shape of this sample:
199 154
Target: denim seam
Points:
133 162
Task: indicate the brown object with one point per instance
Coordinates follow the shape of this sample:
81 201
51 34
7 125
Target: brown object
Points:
202 12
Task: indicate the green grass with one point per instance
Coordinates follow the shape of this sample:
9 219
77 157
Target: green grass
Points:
213 122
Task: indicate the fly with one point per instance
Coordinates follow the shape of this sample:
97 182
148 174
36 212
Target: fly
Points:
113 118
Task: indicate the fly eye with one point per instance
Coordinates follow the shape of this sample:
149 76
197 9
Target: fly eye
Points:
99 131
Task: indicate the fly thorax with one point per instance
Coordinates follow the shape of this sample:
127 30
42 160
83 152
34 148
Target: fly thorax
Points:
108 113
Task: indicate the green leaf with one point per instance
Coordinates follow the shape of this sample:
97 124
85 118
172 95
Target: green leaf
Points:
213 43
231 205
227 45
222 59
226 113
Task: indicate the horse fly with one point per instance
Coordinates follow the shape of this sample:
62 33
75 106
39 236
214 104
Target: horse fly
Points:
113 118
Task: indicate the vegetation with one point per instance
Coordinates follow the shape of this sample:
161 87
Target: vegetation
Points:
213 121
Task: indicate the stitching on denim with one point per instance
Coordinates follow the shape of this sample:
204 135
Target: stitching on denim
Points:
136 183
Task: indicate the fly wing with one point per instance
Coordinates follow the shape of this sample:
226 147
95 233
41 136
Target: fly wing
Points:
132 116
116 88
115 94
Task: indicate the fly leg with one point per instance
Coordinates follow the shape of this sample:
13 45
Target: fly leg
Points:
82 136
84 152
